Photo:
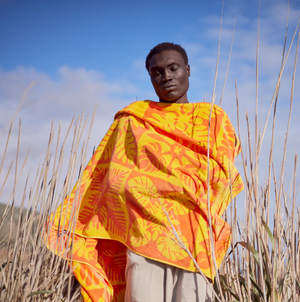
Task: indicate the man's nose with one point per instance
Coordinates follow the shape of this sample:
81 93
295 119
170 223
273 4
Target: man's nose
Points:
166 76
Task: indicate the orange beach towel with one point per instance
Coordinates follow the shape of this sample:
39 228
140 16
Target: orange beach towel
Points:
153 158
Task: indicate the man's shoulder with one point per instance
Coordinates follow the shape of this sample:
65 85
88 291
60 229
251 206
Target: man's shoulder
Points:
139 108
134 108
138 104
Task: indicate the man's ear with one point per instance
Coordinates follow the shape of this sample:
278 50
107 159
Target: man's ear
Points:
188 69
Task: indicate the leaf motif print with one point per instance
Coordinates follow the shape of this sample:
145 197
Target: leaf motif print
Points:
87 211
203 262
190 179
160 224
151 157
94 226
223 232
201 121
154 157
156 230
168 119
114 201
190 172
217 190
204 256
178 203
97 177
138 233
115 179
125 149
143 191
117 224
113 267
237 186
113 189
107 144
93 285
84 249
170 249
119 295
130 145
163 120
113 254
93 197
227 141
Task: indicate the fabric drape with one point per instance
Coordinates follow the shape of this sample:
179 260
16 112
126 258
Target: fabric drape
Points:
152 160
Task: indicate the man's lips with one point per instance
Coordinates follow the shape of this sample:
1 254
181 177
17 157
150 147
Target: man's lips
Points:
168 87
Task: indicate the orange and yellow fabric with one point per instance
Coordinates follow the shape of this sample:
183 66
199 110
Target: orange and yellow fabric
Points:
152 160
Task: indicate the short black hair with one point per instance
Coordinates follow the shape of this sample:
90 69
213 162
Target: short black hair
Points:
166 46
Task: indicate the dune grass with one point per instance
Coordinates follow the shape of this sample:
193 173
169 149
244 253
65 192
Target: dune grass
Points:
28 270
263 263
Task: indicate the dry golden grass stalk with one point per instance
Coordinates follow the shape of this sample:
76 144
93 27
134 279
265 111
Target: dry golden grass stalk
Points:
228 63
29 271
262 265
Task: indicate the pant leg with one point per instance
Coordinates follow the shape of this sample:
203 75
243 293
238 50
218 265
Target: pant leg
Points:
191 287
144 279
151 281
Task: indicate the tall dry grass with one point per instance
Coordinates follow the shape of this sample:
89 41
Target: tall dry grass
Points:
29 271
263 263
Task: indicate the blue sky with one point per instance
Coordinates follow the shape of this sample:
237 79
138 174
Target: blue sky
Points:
82 53
49 34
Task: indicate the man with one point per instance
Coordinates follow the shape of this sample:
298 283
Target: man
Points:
169 72
151 176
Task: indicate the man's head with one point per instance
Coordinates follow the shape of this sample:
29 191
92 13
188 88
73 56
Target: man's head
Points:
166 46
167 64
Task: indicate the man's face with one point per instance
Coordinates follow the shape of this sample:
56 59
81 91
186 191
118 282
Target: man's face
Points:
170 76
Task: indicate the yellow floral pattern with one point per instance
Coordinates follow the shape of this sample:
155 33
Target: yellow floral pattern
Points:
153 159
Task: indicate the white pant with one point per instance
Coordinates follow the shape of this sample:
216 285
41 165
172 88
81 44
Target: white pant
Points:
151 281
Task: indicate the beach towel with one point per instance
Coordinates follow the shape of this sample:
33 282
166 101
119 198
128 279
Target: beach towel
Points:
152 163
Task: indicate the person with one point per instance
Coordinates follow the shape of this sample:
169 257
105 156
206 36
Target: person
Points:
147 186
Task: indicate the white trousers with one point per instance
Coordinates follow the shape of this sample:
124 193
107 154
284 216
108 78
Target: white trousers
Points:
151 281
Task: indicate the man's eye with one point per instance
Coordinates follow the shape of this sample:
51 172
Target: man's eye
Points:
155 73
174 68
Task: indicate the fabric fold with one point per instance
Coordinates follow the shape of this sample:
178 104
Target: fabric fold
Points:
153 158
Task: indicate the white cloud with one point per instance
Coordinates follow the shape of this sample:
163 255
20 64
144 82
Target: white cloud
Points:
73 90
242 67
56 99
